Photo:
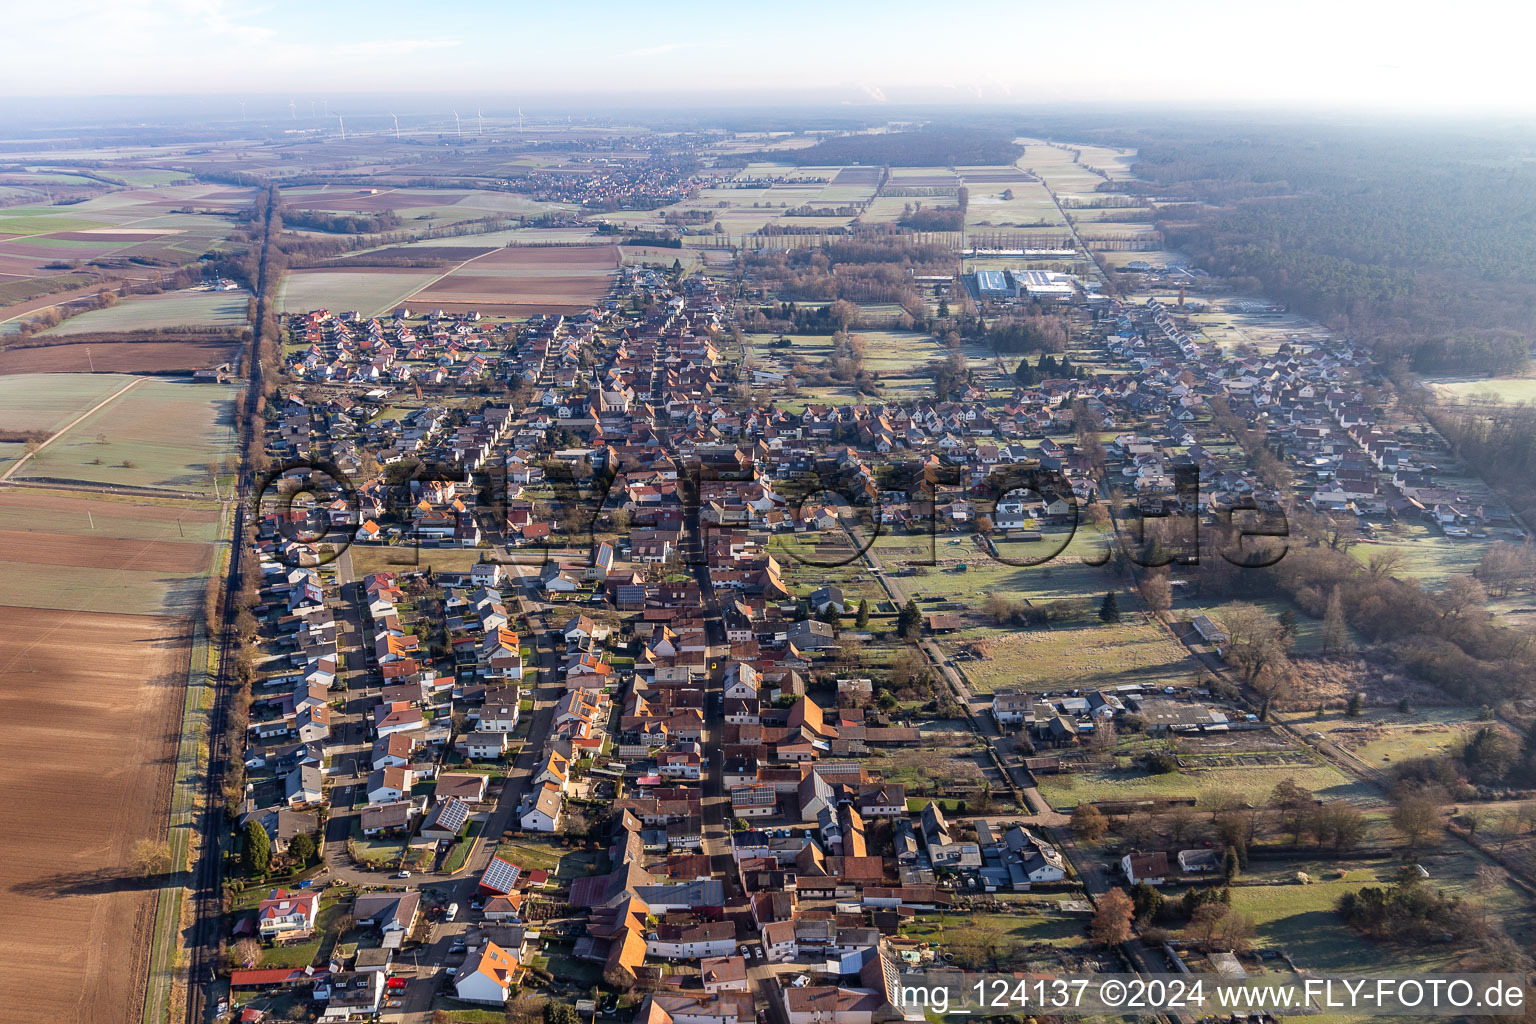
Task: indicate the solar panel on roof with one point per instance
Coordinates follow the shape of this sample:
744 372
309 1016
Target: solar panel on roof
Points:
452 815
500 875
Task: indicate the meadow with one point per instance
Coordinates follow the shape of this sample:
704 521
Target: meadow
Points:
1067 790
1427 554
1510 390
1301 919
1057 168
1133 651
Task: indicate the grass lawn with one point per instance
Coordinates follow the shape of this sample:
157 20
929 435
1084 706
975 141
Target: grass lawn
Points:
1015 933
1131 651
1328 783
1301 920
302 954
1428 555
469 1016
460 852
531 855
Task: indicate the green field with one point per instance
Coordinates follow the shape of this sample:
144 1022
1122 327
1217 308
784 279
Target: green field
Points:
47 401
1074 658
20 221
368 291
1301 919
1502 389
1381 736
159 434
154 312
146 177
1428 555
1068 790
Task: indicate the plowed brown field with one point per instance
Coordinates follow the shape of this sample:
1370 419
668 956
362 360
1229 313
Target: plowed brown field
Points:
107 553
116 357
90 706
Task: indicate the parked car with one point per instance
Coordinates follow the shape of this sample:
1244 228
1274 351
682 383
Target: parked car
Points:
402 874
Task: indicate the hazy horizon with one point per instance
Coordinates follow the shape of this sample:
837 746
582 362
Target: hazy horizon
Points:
1318 57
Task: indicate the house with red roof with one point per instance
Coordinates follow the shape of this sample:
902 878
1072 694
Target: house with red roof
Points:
285 914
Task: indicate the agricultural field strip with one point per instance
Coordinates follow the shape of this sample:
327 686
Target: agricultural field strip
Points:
417 288
64 430
201 671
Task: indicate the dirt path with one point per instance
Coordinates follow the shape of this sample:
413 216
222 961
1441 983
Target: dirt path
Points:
71 424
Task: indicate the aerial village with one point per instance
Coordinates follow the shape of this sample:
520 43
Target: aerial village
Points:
563 705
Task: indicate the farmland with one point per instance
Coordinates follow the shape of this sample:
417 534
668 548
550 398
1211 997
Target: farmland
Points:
89 702
526 280
47 402
101 590
160 434
65 356
371 291
153 312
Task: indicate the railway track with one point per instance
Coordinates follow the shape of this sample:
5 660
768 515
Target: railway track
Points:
206 883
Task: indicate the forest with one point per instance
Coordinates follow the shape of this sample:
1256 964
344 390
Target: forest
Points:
1421 245
931 146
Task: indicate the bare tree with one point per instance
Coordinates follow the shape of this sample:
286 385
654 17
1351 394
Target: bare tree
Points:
247 952
1383 564
1088 823
151 857
1417 817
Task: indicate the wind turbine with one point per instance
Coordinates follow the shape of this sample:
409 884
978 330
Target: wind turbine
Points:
456 130
311 108
397 126
242 110
480 116
519 118
343 126
293 115
326 105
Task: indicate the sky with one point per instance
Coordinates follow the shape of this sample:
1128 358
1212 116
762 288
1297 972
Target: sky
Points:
1304 54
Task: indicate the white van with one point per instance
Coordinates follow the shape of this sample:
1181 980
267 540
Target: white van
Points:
453 911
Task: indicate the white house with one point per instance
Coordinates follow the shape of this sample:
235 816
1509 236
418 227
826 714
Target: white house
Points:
485 976
542 812
1151 868
779 943
285 913
692 941
484 745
